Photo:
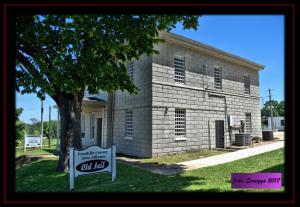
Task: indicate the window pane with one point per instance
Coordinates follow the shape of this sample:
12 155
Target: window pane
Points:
218 77
247 84
131 70
179 67
179 122
129 123
248 123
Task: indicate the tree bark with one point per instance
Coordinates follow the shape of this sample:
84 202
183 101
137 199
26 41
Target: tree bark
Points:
70 113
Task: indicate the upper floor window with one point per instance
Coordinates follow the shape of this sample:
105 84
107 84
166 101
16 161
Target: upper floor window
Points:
131 70
218 77
179 67
179 122
247 84
282 122
129 123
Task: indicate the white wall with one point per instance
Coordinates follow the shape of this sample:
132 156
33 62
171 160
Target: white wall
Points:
277 123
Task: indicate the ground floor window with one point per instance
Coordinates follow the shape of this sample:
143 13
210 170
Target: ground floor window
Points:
248 123
129 123
180 122
82 125
92 126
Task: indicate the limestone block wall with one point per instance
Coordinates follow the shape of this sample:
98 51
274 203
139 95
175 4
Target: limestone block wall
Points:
140 143
203 103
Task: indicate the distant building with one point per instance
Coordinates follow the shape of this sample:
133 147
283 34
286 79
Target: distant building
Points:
278 123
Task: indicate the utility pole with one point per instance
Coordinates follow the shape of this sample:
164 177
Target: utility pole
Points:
270 98
42 129
49 138
57 128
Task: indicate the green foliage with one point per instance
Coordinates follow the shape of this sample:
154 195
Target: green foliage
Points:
61 54
35 128
20 126
277 108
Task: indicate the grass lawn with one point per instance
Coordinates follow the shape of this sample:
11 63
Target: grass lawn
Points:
172 159
40 176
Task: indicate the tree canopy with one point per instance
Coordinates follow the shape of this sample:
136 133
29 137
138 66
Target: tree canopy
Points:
64 53
277 108
61 55
20 126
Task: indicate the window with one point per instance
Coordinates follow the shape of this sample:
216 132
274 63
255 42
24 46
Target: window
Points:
248 126
282 122
129 123
131 70
92 126
218 77
82 125
179 70
247 84
179 122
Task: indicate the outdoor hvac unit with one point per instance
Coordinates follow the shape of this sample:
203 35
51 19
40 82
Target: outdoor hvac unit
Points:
242 139
267 135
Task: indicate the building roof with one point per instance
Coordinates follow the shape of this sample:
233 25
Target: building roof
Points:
209 50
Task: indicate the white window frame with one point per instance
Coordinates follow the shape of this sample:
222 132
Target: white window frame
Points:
131 70
246 78
217 77
179 70
180 122
92 126
129 123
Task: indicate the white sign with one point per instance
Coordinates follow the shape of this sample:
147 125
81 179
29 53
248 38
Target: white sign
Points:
92 160
32 141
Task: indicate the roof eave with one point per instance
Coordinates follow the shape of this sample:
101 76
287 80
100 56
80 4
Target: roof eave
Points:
209 50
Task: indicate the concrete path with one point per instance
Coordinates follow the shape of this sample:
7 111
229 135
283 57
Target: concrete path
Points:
171 169
229 157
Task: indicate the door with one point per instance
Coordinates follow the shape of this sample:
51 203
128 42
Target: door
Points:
99 131
219 134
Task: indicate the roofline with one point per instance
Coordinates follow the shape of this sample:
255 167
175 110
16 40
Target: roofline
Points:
209 50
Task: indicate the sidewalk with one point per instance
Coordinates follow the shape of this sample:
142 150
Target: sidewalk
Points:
229 157
171 169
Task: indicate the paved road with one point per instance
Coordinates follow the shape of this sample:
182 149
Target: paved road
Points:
229 157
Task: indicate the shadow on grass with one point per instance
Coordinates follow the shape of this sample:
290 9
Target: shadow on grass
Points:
41 176
277 168
164 169
51 151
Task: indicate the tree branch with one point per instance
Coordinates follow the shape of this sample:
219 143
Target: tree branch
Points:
30 68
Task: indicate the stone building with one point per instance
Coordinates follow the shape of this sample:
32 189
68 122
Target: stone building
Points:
188 96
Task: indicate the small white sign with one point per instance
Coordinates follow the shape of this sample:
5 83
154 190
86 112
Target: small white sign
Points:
92 160
32 141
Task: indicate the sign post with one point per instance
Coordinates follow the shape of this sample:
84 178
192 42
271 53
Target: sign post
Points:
92 160
71 165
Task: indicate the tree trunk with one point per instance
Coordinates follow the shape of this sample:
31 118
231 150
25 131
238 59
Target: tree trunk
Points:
70 113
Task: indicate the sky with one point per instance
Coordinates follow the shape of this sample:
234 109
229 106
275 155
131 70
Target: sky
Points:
259 38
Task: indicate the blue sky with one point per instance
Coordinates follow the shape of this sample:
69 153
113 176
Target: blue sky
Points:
259 38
